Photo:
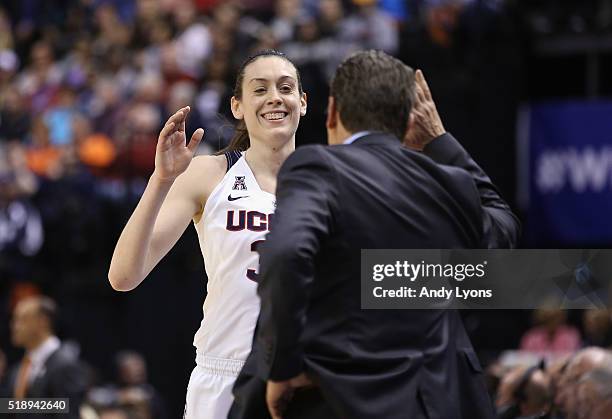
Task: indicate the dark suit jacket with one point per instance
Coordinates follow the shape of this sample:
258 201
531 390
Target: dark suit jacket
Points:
62 376
331 203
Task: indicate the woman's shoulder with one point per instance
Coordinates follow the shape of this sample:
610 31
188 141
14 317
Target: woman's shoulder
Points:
211 164
202 176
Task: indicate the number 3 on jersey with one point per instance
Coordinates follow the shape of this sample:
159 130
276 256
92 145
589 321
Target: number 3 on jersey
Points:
251 273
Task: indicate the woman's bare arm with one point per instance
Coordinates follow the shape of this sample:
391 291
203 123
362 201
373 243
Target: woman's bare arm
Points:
175 193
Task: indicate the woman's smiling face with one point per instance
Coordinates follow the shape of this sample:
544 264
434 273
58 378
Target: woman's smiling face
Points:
271 103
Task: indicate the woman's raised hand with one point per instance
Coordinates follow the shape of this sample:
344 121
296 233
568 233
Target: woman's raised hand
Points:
173 154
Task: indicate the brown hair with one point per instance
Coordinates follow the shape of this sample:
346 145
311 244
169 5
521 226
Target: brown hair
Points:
240 141
373 92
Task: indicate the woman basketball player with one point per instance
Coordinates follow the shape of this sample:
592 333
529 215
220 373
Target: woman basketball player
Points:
230 198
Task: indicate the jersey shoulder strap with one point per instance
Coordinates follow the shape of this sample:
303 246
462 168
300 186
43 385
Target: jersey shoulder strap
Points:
232 157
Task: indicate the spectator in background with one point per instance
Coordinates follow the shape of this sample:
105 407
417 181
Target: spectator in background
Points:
585 361
133 387
43 157
79 69
105 108
330 17
48 368
233 33
595 395
524 391
14 117
155 36
193 40
8 67
41 78
319 52
182 94
129 394
18 182
597 327
59 118
21 231
288 14
136 141
211 104
371 28
112 32
555 370
550 333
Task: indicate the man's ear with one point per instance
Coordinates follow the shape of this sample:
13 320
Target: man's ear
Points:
236 108
331 121
303 104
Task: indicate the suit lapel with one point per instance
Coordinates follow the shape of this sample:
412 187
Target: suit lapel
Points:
38 384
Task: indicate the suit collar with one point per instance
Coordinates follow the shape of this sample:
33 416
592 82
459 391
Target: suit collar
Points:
377 138
356 136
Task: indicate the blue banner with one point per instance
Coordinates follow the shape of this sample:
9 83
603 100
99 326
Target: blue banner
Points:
565 173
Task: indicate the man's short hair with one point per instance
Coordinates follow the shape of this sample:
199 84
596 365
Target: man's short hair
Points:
373 92
48 309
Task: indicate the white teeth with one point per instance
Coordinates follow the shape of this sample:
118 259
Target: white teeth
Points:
273 116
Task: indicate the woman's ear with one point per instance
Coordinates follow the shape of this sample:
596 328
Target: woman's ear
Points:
303 104
237 108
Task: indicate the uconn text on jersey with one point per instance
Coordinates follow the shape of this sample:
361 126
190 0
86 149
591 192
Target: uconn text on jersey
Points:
249 220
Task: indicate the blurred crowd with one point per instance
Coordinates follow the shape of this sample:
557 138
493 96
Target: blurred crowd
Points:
85 86
557 372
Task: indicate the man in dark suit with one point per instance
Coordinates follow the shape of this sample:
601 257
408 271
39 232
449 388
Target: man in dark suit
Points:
48 369
314 342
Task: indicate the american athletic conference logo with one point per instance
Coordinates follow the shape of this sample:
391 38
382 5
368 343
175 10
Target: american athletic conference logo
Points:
239 184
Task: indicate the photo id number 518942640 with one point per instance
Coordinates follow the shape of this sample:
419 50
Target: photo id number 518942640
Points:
35 405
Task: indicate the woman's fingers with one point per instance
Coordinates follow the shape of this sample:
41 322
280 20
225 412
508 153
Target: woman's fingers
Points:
195 140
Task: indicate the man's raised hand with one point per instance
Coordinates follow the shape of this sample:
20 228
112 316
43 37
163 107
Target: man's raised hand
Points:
426 123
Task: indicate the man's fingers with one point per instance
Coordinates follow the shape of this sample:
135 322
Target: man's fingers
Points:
275 414
418 116
301 380
274 410
419 78
195 140
420 94
423 83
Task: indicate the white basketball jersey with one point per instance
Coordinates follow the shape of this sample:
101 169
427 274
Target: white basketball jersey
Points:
235 219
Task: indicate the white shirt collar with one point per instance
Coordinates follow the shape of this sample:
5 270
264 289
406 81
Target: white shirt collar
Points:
40 355
356 136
